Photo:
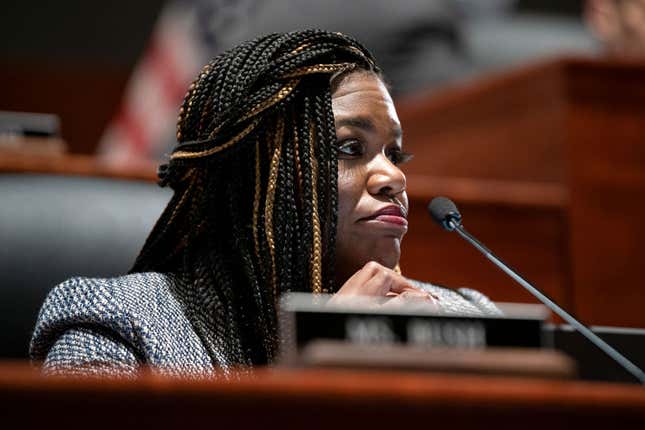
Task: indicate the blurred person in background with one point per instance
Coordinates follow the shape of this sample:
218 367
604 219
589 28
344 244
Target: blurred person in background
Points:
424 45
620 25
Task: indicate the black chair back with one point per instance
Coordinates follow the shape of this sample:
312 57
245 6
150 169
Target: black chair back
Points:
55 227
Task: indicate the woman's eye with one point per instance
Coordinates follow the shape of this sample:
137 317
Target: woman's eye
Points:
397 156
350 147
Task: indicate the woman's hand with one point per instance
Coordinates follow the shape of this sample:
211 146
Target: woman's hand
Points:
375 280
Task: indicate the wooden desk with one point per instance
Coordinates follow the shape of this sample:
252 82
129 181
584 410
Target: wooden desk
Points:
315 399
76 165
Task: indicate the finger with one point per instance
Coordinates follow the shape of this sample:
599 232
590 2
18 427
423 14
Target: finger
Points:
354 284
377 285
412 300
422 290
400 284
388 281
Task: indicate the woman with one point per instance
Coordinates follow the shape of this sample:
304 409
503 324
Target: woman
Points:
286 178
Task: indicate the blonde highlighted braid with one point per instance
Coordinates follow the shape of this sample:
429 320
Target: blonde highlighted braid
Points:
255 180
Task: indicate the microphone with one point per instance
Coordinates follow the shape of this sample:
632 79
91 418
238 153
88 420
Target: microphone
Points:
445 213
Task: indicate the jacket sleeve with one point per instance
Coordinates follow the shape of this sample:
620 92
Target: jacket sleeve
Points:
481 301
461 301
89 352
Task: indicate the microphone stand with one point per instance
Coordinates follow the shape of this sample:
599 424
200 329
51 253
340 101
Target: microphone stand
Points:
453 224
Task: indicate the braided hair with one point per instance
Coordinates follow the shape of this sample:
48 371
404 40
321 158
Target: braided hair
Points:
254 175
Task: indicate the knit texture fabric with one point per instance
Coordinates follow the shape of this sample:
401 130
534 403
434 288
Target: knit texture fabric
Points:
115 326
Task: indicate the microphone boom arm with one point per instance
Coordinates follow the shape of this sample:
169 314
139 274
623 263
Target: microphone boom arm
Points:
454 224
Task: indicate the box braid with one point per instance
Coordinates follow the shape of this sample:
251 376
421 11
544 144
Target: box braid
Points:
255 179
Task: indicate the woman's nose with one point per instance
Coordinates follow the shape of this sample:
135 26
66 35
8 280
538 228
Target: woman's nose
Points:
384 177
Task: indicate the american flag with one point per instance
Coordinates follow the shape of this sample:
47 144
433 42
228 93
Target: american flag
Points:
186 36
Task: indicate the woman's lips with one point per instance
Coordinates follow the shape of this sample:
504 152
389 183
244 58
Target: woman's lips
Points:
390 215
394 219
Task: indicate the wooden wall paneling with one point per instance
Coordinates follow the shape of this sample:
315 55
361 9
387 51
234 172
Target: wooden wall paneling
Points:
606 146
530 239
84 96
496 146
574 130
506 127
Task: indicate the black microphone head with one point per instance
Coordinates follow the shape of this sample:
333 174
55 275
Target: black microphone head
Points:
443 210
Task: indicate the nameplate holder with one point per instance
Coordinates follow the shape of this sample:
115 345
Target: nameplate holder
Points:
306 319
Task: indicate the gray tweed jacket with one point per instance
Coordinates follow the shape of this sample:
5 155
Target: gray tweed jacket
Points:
117 325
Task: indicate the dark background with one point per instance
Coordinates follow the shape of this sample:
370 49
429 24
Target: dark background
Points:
73 58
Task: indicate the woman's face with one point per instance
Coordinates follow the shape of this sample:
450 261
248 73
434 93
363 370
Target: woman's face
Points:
372 202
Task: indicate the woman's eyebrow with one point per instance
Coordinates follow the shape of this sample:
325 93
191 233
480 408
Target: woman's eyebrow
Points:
366 124
358 122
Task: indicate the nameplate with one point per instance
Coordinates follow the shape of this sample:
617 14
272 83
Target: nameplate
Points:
305 318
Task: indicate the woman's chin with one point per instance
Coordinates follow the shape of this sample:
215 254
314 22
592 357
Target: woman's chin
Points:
350 259
386 257
389 255
390 262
